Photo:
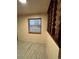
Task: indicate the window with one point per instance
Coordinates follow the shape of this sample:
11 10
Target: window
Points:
34 25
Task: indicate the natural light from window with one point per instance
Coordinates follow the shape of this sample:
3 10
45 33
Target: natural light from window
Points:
35 25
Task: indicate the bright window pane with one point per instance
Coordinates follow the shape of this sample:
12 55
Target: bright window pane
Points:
35 25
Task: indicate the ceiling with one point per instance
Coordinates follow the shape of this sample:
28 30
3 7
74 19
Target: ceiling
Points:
33 6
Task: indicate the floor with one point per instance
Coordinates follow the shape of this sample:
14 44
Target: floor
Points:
30 50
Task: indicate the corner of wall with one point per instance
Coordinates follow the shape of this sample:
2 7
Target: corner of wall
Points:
52 48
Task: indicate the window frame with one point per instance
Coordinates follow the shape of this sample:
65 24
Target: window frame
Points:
29 25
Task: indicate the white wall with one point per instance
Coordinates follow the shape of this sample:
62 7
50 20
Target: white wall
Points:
22 28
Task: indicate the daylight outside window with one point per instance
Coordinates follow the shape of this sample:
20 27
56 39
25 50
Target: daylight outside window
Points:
34 25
